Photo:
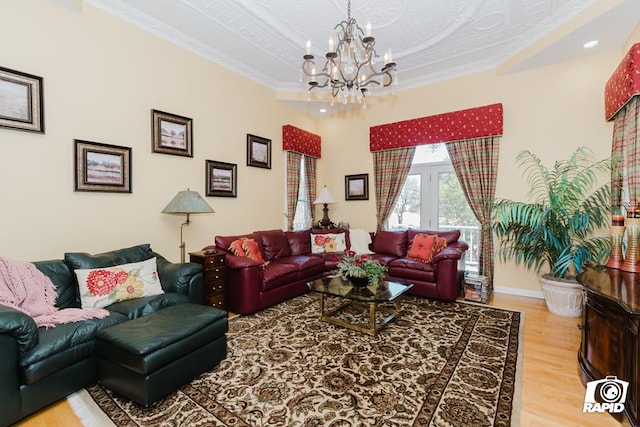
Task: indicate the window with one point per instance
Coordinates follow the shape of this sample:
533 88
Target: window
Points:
432 199
302 218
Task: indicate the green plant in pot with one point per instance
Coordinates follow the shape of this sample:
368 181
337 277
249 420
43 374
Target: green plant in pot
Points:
558 227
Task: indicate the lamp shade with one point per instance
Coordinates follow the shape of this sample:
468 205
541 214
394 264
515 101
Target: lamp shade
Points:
325 196
186 202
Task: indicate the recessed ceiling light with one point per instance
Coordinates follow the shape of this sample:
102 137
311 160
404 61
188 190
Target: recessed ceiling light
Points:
589 45
323 110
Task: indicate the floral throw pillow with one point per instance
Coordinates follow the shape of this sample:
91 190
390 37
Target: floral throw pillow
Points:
100 287
329 242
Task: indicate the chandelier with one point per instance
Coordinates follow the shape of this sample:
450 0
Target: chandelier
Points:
351 64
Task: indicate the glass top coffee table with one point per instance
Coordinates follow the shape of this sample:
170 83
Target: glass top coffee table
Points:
375 296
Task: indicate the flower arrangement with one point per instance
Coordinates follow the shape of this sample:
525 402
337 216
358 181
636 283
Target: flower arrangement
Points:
355 265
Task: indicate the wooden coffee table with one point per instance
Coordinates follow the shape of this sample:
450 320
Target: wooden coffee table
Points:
374 296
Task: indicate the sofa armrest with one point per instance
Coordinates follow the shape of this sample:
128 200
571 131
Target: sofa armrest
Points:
20 327
236 262
181 278
450 252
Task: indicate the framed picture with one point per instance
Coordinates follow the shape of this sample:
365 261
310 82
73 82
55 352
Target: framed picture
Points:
258 152
102 167
21 101
221 179
356 187
172 134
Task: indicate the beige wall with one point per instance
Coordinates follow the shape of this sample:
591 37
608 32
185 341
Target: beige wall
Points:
102 77
550 110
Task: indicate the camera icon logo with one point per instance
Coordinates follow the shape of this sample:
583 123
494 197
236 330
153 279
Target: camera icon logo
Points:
605 395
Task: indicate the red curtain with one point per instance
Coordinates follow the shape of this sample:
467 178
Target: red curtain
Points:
460 125
301 141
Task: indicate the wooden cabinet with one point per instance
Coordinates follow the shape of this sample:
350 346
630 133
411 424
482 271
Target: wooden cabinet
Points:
610 328
213 271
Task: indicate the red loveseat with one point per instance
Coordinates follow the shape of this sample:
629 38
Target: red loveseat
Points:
290 264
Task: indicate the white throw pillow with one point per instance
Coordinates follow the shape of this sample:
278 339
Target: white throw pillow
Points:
100 287
360 240
329 242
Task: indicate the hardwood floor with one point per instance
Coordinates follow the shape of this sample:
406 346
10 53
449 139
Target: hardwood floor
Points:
552 394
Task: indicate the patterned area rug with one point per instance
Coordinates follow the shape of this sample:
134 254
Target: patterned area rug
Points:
440 364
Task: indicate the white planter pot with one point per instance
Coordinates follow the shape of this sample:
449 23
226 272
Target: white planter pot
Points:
562 297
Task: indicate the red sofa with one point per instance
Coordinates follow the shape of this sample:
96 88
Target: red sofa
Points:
291 264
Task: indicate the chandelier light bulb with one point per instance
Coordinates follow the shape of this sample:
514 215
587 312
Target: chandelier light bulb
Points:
308 47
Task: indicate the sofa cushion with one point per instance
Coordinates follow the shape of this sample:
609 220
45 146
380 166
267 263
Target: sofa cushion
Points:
328 242
63 346
274 244
392 243
138 307
100 287
307 265
410 269
299 242
451 236
61 276
277 274
423 247
108 259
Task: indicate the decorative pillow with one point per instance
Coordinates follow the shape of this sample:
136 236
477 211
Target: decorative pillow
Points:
424 246
236 247
100 287
252 250
328 242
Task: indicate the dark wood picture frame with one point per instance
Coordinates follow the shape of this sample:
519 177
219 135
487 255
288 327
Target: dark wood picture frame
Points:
172 134
356 187
258 151
102 167
21 101
222 179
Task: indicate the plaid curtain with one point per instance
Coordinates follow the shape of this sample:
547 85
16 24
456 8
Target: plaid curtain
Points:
293 184
390 170
625 174
310 180
476 164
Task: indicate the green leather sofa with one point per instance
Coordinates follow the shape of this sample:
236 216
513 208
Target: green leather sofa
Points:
39 366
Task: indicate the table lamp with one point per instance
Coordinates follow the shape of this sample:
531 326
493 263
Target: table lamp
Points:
186 202
325 197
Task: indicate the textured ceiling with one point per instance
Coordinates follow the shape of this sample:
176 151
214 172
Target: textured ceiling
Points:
432 40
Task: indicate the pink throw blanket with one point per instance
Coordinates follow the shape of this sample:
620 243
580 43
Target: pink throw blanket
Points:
25 288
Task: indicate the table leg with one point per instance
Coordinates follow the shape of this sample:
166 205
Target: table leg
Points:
372 317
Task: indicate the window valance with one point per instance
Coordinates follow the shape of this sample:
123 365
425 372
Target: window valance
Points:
460 125
301 141
623 84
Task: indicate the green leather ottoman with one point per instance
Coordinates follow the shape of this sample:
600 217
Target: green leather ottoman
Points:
149 357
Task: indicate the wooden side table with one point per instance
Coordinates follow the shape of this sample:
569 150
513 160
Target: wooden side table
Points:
611 331
213 270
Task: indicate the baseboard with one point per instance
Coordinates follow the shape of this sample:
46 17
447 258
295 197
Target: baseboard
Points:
518 292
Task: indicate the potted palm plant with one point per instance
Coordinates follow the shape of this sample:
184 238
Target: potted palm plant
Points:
557 227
